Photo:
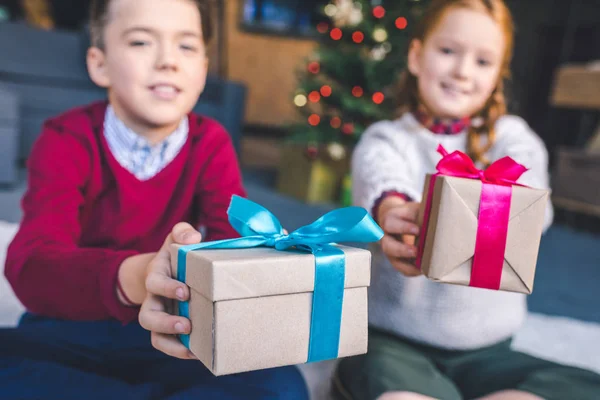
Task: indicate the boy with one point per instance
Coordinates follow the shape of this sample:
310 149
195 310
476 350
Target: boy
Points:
108 184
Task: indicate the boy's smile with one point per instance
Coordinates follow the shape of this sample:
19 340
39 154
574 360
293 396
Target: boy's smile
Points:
165 91
153 64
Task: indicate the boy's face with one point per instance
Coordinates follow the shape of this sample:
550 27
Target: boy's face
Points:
154 62
459 64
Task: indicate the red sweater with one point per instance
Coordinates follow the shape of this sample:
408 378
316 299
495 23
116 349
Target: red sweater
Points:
84 213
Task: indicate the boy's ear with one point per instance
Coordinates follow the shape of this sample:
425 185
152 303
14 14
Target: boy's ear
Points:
414 55
96 65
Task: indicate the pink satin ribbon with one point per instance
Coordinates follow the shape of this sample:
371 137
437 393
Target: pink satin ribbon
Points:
494 210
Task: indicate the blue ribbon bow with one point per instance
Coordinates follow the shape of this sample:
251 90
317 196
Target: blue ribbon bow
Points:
258 227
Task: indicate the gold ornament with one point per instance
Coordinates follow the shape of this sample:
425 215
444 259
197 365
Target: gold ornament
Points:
347 13
336 151
330 10
380 35
300 100
378 53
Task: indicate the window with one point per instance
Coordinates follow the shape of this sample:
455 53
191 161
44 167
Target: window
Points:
282 17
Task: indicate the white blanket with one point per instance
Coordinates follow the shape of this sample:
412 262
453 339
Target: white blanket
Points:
10 307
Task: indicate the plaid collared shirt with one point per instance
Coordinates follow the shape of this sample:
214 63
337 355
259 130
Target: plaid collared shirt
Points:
135 153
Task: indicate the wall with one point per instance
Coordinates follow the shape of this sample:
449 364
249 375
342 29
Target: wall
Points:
267 65
551 33
216 65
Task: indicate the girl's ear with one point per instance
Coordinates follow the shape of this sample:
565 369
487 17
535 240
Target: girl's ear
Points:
96 64
414 55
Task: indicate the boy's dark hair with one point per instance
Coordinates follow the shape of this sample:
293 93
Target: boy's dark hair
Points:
100 10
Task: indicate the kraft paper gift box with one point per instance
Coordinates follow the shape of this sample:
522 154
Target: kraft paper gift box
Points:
479 228
268 306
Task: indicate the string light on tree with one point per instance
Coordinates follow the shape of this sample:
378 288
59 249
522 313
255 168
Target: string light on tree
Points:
314 67
331 10
336 33
401 23
379 12
314 96
312 151
336 151
300 100
358 37
378 53
378 97
380 35
314 119
335 122
347 13
357 91
322 27
348 128
325 90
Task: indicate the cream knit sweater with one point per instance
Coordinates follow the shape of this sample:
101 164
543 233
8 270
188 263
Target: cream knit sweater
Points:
396 155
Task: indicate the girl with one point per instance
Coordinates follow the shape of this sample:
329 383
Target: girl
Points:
437 340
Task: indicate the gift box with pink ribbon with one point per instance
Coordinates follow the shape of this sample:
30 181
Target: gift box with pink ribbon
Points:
480 228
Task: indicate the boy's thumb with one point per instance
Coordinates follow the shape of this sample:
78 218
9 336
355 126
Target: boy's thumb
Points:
184 233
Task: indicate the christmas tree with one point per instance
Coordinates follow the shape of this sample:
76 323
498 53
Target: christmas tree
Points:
348 82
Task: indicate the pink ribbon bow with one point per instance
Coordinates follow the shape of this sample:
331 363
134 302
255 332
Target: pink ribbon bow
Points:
494 211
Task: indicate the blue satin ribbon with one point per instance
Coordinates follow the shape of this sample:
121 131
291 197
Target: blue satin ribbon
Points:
258 227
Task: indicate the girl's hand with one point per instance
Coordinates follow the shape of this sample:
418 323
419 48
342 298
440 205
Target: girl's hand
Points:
398 219
161 289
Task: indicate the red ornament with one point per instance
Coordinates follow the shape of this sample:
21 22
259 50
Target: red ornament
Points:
401 22
336 122
314 119
314 67
379 12
348 128
357 91
358 37
326 90
378 98
322 27
336 34
312 152
314 96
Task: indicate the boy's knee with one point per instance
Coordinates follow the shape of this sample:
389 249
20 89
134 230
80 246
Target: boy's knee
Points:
403 396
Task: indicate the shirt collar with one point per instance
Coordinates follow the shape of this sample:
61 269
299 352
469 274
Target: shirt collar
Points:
443 126
131 141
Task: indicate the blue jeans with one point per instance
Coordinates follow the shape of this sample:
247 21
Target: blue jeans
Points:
46 358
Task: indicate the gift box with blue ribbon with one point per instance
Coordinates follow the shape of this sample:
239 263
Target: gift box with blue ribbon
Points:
269 299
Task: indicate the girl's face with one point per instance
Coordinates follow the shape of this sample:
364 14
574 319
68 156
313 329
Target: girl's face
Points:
458 64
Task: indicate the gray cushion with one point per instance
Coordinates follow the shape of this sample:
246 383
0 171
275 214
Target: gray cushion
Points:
47 70
9 116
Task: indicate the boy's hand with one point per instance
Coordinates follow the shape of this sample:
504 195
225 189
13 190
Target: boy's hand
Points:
398 219
132 277
161 287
